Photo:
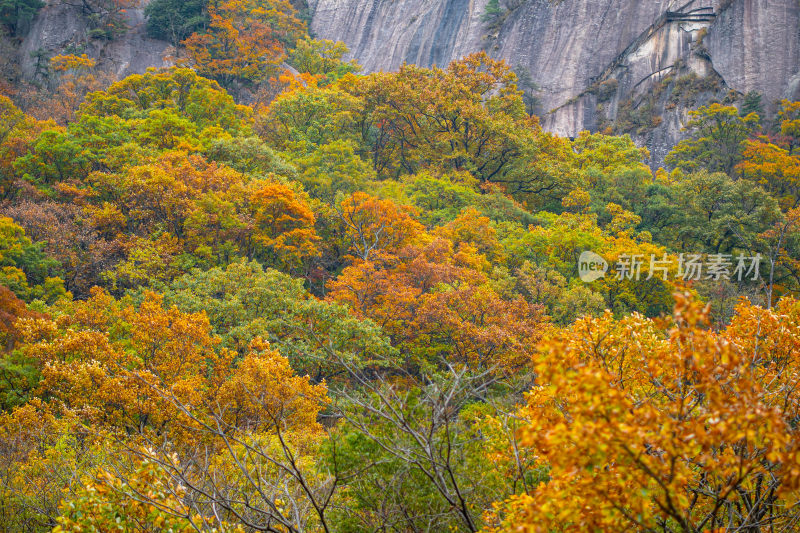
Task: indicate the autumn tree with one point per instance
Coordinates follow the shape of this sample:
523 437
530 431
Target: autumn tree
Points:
663 427
263 422
11 309
373 224
789 117
474 325
469 117
71 78
24 268
145 499
284 233
245 41
18 374
157 373
716 136
322 58
161 194
83 248
18 132
434 295
244 301
43 460
773 168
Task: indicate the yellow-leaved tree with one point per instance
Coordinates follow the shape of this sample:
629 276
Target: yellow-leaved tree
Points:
651 426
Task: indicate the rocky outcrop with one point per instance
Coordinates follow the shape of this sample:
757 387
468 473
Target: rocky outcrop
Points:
61 28
755 46
385 34
591 59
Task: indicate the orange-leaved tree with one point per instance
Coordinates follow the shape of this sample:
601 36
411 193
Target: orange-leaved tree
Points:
151 381
246 40
775 169
652 425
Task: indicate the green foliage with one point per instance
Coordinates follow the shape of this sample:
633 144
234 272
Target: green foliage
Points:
492 12
17 15
198 100
715 213
19 377
325 313
322 58
248 155
298 121
752 104
132 121
244 301
333 168
113 502
427 458
613 169
173 20
717 134
24 268
91 143
440 199
46 453
529 89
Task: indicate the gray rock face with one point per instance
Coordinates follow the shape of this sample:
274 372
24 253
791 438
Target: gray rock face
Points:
384 34
755 45
572 46
60 28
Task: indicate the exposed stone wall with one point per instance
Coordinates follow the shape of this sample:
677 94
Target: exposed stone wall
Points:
59 28
755 45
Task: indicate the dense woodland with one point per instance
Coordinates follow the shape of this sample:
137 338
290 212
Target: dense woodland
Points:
236 296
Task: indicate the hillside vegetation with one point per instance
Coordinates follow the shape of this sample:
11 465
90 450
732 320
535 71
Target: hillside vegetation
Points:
240 297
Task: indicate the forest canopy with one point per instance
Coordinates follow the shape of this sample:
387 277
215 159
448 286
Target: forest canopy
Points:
262 291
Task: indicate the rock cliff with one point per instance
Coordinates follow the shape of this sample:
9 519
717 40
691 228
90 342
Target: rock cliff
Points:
60 28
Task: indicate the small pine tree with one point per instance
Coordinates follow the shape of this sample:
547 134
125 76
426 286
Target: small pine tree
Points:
492 11
752 104
528 87
17 15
